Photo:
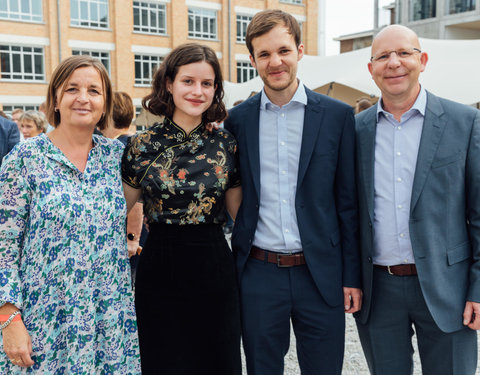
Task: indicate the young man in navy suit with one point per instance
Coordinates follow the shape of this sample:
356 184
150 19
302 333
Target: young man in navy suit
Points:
295 235
419 182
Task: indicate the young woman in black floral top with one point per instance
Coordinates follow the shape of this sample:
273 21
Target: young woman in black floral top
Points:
186 290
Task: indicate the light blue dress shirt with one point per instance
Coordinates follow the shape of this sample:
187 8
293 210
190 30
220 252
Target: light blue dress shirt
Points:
280 136
396 151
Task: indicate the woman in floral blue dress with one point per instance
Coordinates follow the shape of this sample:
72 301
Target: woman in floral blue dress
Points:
63 258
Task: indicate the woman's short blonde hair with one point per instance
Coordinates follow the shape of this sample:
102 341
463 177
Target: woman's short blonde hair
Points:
62 74
38 119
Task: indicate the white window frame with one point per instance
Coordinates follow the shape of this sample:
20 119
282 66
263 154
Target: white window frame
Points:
294 2
22 76
159 11
102 56
153 62
201 15
8 108
88 22
243 20
15 12
244 66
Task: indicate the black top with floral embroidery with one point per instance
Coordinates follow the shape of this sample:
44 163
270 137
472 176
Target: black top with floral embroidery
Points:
183 178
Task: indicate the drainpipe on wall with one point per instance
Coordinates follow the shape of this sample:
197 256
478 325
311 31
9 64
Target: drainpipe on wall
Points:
59 30
229 41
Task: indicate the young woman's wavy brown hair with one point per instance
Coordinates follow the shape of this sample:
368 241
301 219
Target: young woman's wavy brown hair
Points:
160 101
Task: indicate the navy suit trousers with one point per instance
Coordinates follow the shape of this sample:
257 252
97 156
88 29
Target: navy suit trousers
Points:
271 297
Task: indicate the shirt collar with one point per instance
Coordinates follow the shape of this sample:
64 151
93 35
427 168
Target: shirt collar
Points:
300 97
420 104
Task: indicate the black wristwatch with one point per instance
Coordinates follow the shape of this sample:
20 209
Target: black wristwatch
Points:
131 236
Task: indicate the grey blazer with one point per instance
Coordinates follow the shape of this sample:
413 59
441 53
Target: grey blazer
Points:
445 208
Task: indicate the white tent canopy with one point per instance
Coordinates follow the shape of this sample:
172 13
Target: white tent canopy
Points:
452 72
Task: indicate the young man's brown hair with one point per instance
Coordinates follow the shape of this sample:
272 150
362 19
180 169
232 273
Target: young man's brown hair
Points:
266 20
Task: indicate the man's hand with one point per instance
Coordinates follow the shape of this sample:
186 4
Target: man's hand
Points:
352 298
471 315
211 126
17 344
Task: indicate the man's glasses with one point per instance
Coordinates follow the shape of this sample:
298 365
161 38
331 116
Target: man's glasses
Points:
401 54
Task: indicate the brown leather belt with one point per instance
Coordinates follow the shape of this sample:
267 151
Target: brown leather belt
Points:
399 270
281 260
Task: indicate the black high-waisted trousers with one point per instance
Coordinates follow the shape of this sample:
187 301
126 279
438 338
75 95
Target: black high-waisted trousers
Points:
187 302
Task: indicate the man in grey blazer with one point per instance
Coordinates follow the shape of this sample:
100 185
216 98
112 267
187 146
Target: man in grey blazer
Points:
418 169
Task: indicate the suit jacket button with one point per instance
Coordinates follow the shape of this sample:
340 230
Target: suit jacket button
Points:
369 259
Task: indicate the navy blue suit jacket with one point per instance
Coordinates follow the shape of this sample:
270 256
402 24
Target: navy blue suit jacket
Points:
9 137
444 210
325 201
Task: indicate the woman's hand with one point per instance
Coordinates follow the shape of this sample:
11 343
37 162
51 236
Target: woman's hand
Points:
17 344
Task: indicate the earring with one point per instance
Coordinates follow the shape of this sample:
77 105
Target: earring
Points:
56 109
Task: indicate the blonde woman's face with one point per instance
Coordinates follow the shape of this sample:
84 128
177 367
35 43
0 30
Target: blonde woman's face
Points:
29 129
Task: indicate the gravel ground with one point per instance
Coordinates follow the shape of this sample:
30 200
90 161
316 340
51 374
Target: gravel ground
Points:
354 362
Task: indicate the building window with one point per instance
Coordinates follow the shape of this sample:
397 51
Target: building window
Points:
422 9
245 71
202 23
297 2
89 13
8 109
149 17
242 24
104 57
24 10
21 63
460 6
145 67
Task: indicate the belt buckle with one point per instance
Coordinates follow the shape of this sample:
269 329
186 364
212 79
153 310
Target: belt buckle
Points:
390 272
278 262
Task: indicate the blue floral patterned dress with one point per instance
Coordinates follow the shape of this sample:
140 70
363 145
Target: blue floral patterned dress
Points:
63 259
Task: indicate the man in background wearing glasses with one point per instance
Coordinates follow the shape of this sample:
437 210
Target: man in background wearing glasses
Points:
418 171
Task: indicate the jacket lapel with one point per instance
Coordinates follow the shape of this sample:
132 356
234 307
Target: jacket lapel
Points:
433 127
311 126
252 114
366 131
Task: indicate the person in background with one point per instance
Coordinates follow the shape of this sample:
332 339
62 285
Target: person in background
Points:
66 304
418 177
43 108
119 128
16 114
186 290
32 123
362 104
295 237
9 137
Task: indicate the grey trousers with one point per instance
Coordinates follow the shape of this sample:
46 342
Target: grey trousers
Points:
398 310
